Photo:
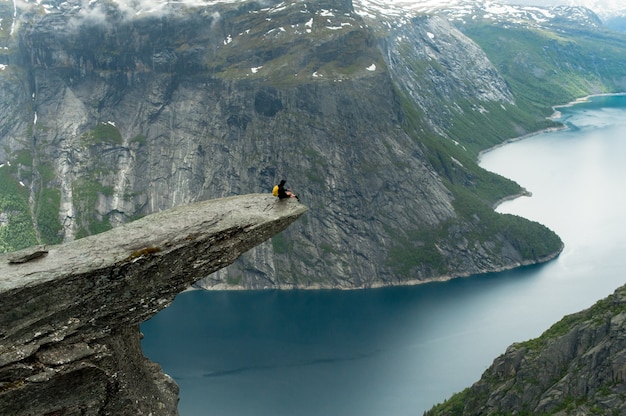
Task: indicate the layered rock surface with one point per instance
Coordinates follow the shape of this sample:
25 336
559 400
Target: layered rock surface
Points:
69 338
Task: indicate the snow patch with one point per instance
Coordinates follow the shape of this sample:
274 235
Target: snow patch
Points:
255 70
372 67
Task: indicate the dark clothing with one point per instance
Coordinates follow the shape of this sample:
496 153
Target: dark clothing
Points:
282 192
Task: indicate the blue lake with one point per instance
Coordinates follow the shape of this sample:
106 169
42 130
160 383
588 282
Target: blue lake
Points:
398 351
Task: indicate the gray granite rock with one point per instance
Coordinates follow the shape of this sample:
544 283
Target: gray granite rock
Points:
69 338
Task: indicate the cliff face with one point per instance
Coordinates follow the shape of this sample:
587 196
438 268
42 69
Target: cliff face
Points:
69 335
111 113
577 367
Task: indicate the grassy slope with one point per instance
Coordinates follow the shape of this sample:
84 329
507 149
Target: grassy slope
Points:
546 68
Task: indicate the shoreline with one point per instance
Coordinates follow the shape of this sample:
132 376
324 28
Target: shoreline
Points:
444 278
554 117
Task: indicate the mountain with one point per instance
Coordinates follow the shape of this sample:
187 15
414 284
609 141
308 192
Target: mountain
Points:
576 367
617 21
604 9
375 114
500 12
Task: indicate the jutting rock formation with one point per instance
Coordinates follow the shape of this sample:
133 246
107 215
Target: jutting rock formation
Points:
69 335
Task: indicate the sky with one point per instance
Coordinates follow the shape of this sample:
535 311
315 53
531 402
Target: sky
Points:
595 5
599 6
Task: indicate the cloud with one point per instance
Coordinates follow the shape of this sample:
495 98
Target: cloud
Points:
92 15
599 6
97 12
215 17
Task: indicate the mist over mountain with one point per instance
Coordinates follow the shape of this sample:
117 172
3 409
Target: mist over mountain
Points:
374 113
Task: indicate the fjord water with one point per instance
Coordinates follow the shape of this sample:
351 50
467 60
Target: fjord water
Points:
398 351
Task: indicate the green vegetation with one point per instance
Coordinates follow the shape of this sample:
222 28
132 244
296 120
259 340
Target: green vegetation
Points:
453 406
280 54
103 133
47 215
18 232
417 250
533 240
85 195
474 190
544 68
496 122
280 244
139 139
234 280
597 314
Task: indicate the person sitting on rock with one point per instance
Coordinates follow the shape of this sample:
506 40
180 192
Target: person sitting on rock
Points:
282 193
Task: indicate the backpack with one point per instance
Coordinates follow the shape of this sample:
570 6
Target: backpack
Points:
275 190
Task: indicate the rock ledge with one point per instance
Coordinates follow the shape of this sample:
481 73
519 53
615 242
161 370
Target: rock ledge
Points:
69 337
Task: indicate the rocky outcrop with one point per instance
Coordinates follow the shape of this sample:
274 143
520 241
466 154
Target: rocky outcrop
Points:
577 367
69 337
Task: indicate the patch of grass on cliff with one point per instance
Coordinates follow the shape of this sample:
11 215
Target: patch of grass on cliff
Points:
18 232
85 195
47 215
453 406
417 250
47 205
281 244
103 133
140 139
92 227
